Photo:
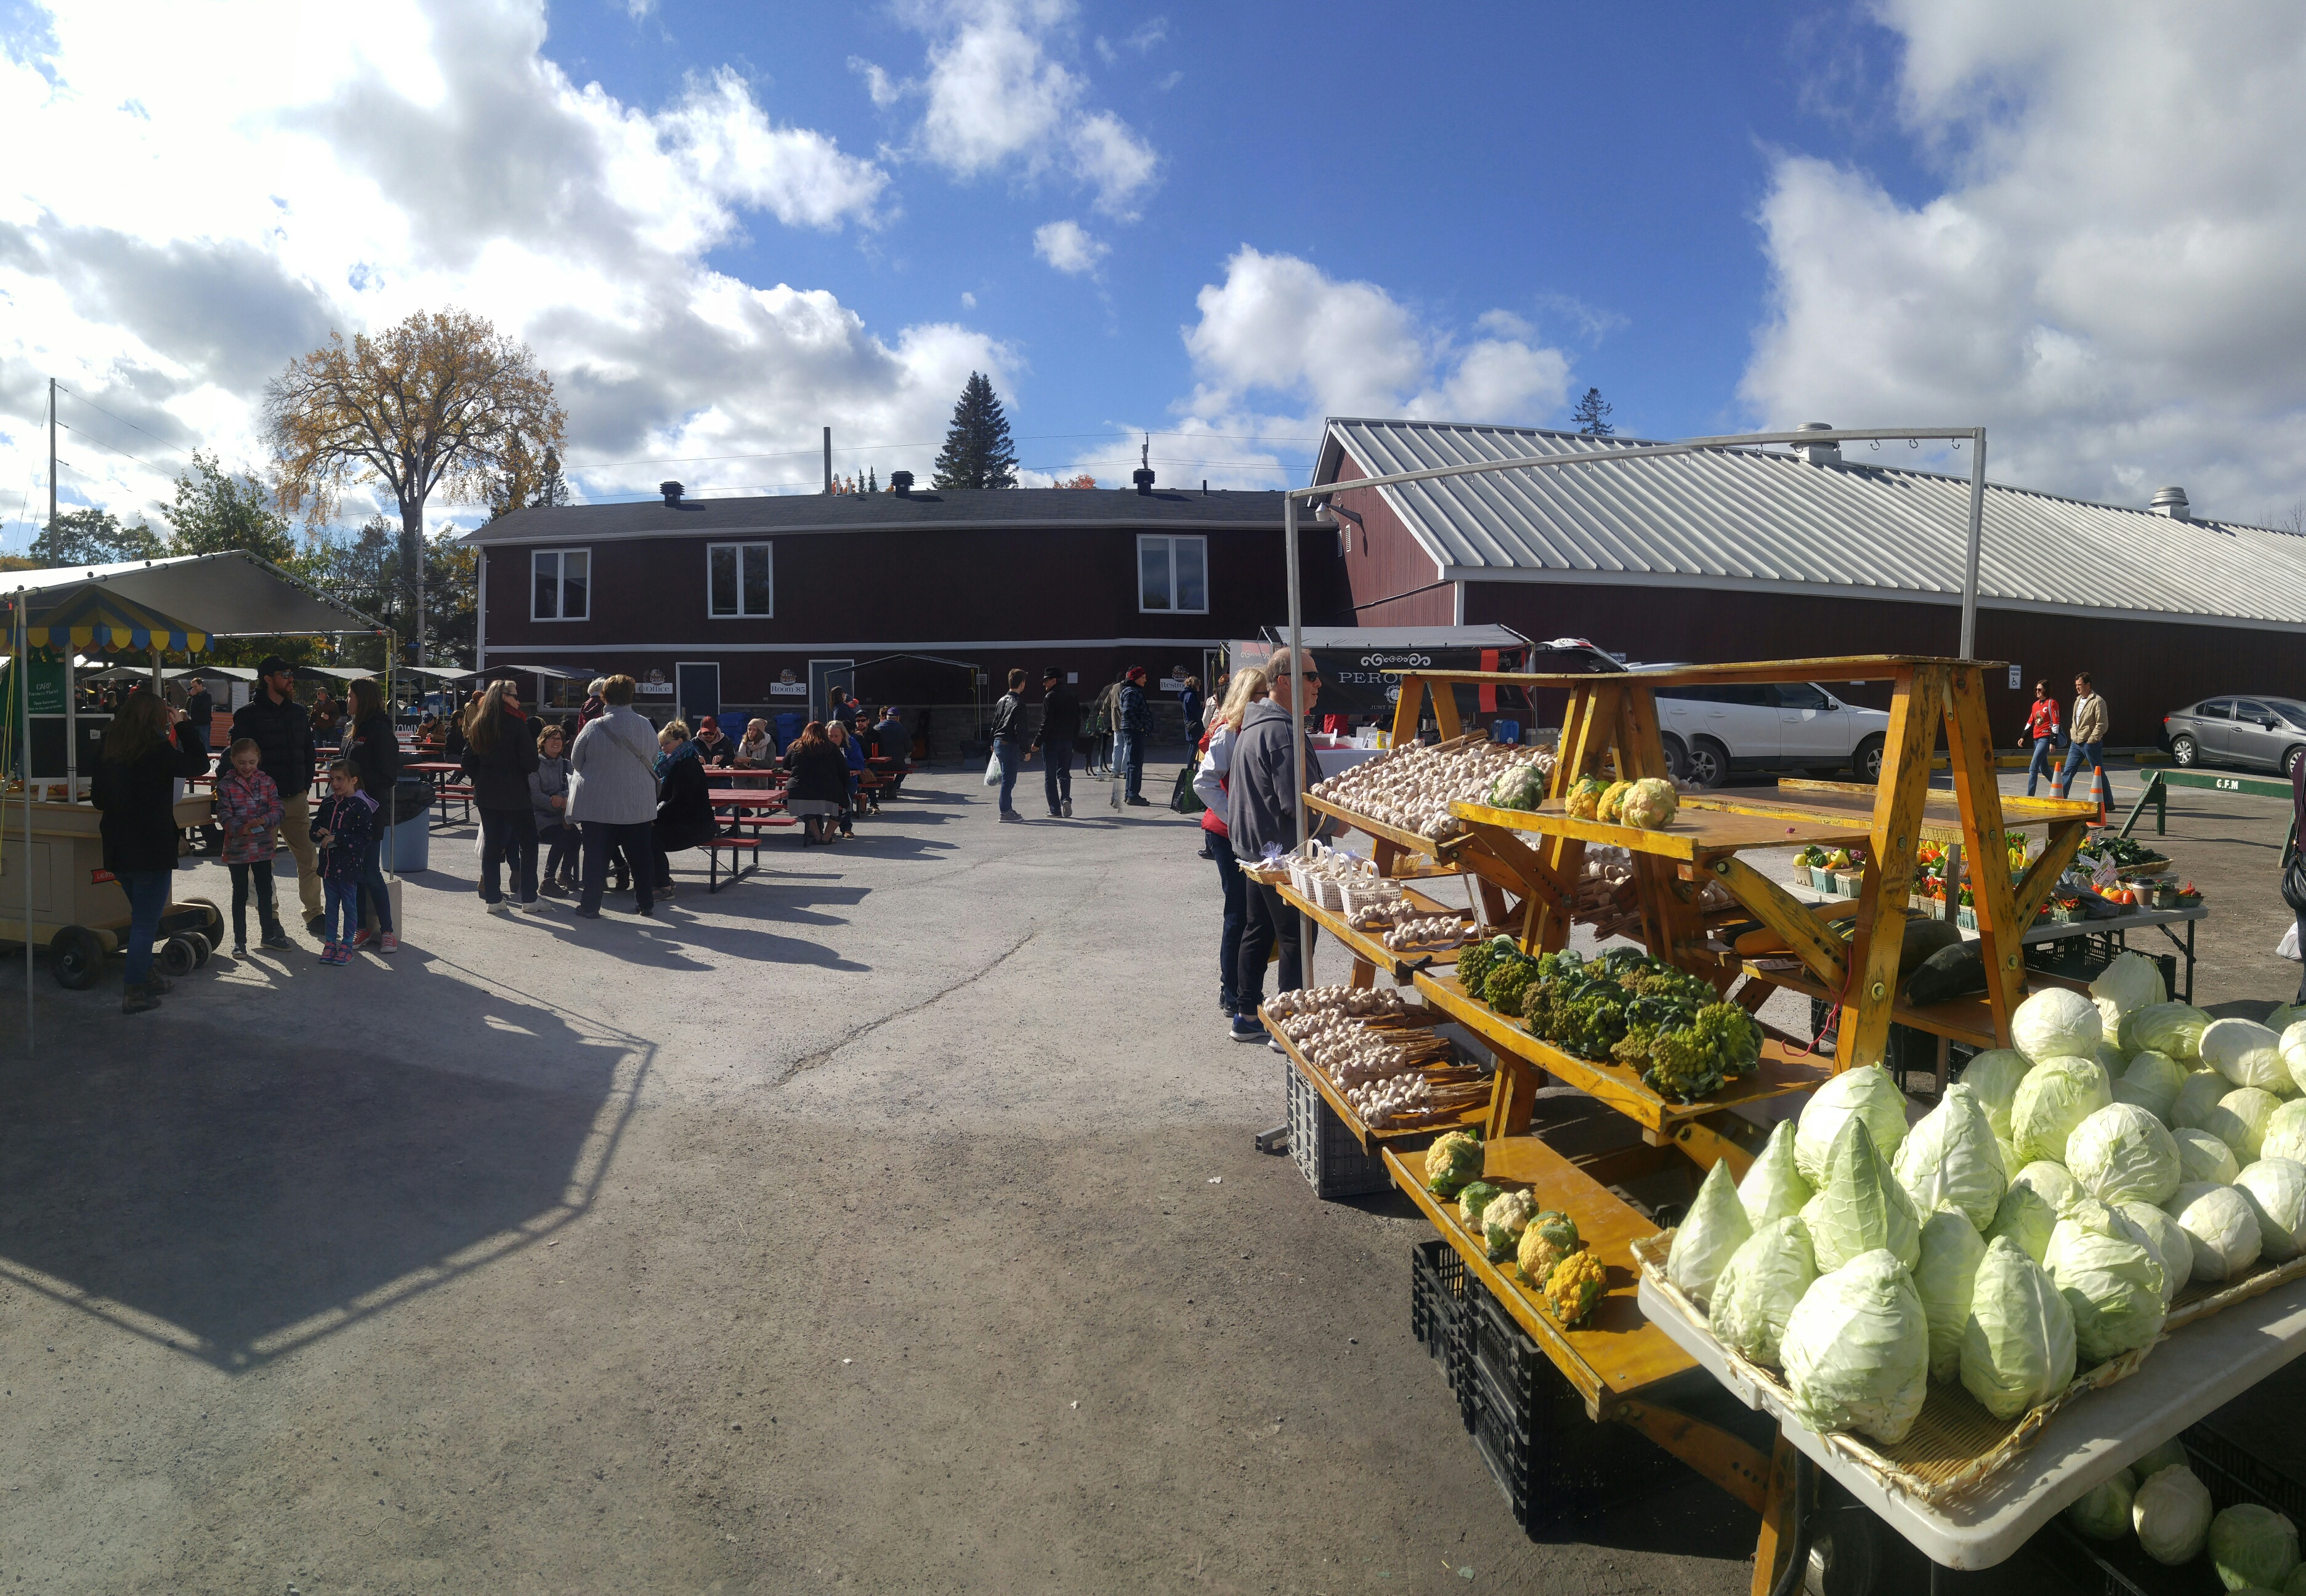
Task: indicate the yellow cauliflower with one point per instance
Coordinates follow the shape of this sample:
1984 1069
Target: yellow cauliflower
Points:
1584 799
1574 1285
1612 806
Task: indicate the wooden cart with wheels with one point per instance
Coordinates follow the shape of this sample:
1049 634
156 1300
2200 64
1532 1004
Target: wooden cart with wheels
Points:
77 911
1528 865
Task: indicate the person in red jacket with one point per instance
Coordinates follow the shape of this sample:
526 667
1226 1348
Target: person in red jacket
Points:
2042 726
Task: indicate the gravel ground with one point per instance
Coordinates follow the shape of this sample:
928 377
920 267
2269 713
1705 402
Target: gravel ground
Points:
888 1223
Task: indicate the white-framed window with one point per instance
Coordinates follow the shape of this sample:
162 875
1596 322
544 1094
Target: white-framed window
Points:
1172 575
561 585
739 582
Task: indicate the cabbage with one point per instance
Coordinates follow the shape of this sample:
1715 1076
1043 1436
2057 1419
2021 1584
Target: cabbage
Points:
2058 1187
2056 1022
1951 1158
1856 1350
1866 1092
1773 1188
2170 1247
2103 1511
1859 1207
2024 1219
2202 1157
2283 1016
2018 1348
1951 1251
1994 1075
2172 1515
2198 1098
2239 1121
2110 1059
2223 1228
2285 1133
2171 1454
2056 1095
2171 1029
2131 982
1756 1292
2252 1545
2156 1081
1717 1227
2107 1275
2276 1190
2123 1151
2247 1054
2294 1051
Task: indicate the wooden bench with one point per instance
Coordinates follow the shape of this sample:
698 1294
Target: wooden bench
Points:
445 794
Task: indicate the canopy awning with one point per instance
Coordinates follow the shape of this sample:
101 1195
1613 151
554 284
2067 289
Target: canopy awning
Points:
231 595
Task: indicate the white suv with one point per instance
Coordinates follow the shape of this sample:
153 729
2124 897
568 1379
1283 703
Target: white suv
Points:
1710 731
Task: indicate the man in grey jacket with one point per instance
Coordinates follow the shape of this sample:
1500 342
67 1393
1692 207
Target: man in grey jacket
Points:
1261 817
612 793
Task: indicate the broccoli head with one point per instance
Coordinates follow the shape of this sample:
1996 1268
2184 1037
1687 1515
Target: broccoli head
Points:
1508 980
1476 959
1721 1042
1589 1020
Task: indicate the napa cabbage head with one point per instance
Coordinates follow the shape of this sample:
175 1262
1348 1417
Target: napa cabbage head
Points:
2056 1022
1757 1290
2107 1271
1859 1207
1866 1093
1952 1158
2123 1151
2057 1094
1856 1350
2017 1347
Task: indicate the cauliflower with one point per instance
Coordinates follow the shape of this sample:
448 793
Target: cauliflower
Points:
1575 1284
1472 1200
1612 806
1652 805
1505 1218
1550 1238
1584 799
1453 1163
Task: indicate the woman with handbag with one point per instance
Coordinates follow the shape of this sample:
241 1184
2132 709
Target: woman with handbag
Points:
1247 686
613 795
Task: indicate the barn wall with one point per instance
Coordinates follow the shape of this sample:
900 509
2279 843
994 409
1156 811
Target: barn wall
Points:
1384 561
2143 668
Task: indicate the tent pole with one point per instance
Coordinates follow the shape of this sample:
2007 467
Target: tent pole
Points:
24 691
1977 537
72 725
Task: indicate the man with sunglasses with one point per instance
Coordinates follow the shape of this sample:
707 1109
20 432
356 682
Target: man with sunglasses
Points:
1261 819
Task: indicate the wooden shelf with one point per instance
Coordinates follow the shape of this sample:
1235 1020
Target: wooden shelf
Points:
1969 1020
1851 803
1407 841
1617 1084
1695 834
1368 947
1616 1352
1407 1138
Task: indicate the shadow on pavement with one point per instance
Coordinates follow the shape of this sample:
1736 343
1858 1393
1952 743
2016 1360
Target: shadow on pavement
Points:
236 1191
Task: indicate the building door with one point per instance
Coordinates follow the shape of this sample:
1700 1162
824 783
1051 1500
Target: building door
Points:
696 692
823 676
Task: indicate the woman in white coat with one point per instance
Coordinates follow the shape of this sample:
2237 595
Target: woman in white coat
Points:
612 794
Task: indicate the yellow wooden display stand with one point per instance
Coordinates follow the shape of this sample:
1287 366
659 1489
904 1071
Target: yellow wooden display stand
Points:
1527 863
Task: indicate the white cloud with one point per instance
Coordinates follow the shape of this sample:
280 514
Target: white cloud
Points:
218 191
2108 278
1069 247
995 100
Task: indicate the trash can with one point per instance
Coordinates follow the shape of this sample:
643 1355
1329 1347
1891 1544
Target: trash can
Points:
408 835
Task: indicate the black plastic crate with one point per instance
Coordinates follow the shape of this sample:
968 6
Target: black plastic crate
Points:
2233 1476
1328 1155
1437 1294
1503 1352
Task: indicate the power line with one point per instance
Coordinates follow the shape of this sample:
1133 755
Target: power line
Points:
124 422
865 448
100 443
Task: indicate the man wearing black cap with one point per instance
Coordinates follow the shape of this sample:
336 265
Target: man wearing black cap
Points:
1060 727
283 732
1130 722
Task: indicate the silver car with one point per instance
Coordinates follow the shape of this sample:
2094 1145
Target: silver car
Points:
2259 733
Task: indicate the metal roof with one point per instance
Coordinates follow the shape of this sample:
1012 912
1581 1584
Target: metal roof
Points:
1477 637
1747 519
988 508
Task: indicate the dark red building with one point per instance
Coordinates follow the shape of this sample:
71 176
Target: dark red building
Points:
922 598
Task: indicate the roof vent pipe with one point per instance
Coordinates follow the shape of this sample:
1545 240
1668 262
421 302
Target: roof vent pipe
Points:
2171 502
900 483
1143 477
671 491
1818 453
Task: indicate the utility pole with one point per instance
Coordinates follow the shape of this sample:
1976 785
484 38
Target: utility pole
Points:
828 459
52 457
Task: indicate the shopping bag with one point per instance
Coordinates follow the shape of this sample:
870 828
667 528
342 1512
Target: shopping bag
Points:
2287 947
993 769
1183 798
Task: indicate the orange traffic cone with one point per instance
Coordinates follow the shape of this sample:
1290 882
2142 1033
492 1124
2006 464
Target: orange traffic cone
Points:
2100 793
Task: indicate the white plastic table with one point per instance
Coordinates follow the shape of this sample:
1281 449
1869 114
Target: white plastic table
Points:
2200 1370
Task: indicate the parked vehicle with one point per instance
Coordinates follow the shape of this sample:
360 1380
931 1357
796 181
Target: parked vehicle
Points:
1710 731
2262 733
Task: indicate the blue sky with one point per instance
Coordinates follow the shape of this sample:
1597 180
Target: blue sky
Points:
721 228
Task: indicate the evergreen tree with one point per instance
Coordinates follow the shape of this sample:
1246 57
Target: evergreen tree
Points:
977 452
871 481
1592 415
